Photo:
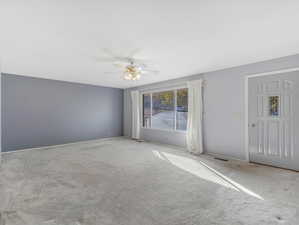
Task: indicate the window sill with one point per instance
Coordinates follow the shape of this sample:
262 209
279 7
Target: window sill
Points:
165 130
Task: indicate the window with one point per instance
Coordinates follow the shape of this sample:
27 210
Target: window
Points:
274 105
182 109
146 110
167 110
163 110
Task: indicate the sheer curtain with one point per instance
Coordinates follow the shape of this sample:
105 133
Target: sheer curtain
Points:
194 124
135 114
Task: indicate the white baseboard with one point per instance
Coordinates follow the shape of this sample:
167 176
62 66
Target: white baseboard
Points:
61 145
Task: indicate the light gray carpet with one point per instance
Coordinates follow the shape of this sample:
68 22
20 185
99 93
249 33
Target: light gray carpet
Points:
121 182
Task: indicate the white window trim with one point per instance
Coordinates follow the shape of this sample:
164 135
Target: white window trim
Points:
164 130
174 89
155 90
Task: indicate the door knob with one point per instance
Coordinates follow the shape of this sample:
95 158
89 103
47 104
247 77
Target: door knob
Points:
253 125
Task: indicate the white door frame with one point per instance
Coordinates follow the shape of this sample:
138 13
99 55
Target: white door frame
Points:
246 101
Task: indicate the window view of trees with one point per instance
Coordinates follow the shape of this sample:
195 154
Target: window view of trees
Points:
182 109
164 110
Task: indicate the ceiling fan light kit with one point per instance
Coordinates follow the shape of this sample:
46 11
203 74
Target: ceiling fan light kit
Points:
132 68
131 77
132 72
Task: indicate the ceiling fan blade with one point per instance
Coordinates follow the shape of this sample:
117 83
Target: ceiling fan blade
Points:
134 52
112 72
150 71
104 59
144 62
120 66
109 56
109 53
142 66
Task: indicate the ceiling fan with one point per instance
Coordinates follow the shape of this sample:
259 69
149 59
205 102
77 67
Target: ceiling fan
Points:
131 67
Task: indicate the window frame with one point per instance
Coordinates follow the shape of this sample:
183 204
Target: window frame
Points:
174 89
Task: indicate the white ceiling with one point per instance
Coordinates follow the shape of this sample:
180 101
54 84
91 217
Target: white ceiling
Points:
61 39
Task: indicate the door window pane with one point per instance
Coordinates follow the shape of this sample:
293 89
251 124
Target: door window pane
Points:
274 105
163 110
147 110
182 109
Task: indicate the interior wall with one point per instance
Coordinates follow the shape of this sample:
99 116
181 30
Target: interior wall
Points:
40 112
224 107
0 114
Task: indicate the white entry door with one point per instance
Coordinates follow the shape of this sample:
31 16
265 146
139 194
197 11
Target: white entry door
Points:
273 103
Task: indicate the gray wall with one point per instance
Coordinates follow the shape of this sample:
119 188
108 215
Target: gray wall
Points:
224 107
0 115
40 112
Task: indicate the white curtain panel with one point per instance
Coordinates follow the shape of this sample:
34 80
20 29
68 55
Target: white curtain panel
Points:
194 124
135 114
